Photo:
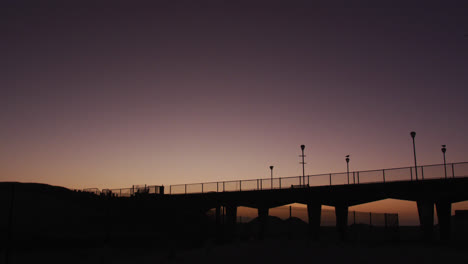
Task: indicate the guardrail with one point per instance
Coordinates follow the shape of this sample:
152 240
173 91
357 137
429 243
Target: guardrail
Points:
426 172
128 192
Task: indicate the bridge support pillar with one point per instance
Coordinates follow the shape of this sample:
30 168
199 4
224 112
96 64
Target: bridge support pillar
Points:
314 211
426 218
219 229
231 215
263 221
444 210
341 213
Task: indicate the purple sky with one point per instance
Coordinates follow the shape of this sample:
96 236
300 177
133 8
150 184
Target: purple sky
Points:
110 96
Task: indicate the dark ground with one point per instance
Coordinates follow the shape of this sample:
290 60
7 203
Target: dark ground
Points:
254 251
55 225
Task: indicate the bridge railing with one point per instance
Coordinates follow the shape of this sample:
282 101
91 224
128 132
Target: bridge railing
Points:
426 172
135 190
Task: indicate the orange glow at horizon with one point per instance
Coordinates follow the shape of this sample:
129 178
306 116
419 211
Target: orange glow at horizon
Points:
406 210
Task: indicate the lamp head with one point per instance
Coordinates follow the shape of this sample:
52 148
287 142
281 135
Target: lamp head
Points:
413 134
271 167
302 147
444 149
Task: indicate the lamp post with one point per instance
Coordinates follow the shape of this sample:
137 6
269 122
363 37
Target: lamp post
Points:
303 163
413 134
347 166
271 168
444 149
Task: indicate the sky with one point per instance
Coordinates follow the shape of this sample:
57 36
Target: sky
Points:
172 92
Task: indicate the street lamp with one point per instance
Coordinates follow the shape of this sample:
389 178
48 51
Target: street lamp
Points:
303 163
444 149
271 168
413 134
347 166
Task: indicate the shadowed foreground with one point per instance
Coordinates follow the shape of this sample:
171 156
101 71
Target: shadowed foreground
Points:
268 251
55 225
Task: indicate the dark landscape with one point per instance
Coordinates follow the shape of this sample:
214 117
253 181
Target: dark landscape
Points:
53 224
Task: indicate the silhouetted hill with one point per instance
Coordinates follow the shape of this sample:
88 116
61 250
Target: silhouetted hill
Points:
43 212
34 187
277 227
296 221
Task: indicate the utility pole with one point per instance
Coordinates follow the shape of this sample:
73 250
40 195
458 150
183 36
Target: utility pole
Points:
413 134
303 163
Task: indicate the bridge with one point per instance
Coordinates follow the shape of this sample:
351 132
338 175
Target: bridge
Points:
428 185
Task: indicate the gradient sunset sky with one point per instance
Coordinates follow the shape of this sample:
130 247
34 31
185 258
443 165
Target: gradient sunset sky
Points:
193 91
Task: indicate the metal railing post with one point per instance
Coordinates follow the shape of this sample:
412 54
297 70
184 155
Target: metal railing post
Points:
257 185
411 173
202 188
358 177
422 172
280 183
453 171
240 186
217 186
354 177
224 186
383 172
330 180
185 188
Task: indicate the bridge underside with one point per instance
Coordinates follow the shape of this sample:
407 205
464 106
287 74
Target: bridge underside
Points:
427 193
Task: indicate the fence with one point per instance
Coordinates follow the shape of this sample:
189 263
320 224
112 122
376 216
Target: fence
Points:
92 190
426 172
328 218
128 192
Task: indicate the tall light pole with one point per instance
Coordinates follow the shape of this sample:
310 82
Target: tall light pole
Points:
347 166
413 134
444 149
271 168
303 163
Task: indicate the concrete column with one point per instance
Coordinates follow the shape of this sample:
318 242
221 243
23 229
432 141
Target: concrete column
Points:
444 211
218 215
314 211
231 215
263 221
341 213
426 218
219 229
